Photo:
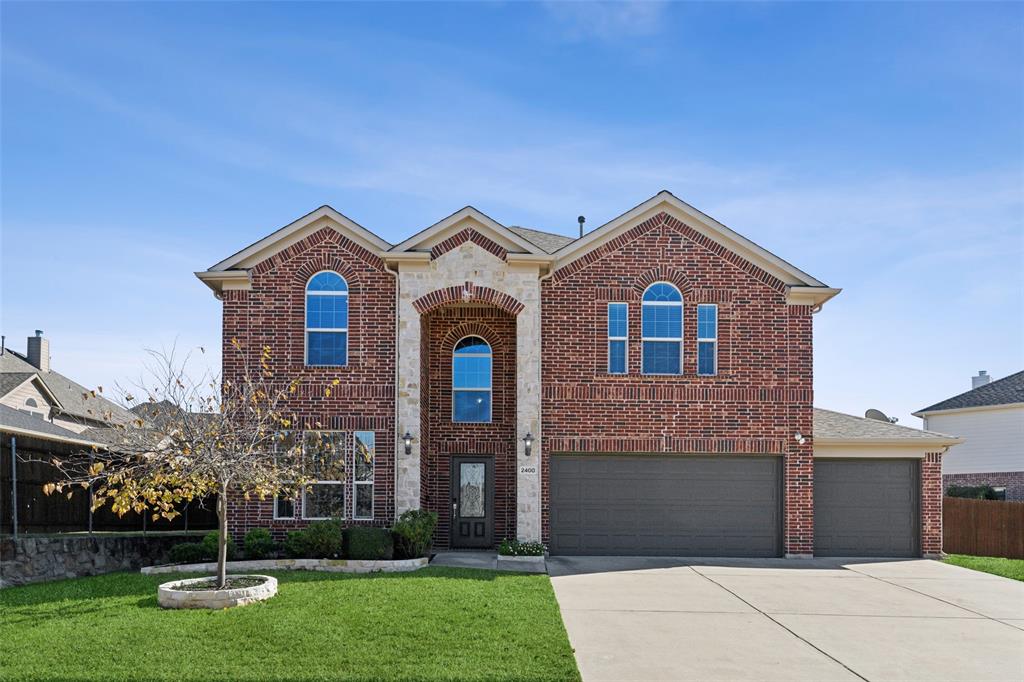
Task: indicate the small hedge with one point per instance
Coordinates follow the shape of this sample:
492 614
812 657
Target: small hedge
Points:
320 540
187 553
259 544
211 542
413 532
368 543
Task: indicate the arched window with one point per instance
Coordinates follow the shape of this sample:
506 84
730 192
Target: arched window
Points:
327 320
662 329
31 402
471 380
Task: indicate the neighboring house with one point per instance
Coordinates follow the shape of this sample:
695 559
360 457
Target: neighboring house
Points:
43 415
643 389
990 418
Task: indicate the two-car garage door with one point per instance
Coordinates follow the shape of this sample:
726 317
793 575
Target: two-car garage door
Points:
728 506
668 506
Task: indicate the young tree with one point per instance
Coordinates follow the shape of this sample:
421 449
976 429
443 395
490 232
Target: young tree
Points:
196 437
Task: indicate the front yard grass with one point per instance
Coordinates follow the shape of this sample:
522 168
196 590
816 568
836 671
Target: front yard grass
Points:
1008 568
433 624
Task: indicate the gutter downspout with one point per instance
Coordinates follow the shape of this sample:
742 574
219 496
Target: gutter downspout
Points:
398 355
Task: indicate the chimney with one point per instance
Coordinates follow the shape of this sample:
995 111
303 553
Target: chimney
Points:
980 380
39 351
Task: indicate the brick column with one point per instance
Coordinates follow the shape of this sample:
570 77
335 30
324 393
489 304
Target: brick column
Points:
799 502
931 505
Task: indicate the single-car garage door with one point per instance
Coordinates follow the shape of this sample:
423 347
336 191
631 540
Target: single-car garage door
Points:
866 507
670 506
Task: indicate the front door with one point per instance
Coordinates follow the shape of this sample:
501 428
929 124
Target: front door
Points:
472 502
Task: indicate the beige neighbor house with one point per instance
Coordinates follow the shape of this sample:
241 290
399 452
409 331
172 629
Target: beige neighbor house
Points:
990 418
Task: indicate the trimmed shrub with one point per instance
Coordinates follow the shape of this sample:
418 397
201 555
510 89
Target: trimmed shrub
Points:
210 545
187 553
516 548
259 544
296 544
413 532
324 540
973 492
366 542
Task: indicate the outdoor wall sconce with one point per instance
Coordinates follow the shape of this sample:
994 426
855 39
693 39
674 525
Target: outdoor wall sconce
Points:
407 439
799 438
528 442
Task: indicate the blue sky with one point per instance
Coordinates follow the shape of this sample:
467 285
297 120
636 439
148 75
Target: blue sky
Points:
879 147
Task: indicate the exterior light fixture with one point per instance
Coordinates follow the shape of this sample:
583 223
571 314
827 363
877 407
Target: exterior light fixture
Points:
407 439
528 442
799 438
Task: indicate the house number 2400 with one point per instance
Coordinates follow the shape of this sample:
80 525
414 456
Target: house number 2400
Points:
528 470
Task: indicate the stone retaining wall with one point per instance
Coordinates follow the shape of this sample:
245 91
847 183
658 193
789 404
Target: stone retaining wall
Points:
37 558
326 565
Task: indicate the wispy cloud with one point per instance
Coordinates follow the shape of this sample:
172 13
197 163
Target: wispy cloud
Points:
608 21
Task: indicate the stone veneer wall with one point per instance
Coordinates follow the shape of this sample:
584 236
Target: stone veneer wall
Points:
37 558
480 271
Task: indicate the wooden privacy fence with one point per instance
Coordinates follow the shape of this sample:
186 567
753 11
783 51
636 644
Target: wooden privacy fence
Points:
983 527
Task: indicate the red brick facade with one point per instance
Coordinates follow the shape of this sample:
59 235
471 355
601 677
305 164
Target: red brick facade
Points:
760 397
272 314
443 438
1013 481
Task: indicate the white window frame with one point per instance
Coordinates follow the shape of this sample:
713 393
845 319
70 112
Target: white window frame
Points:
346 438
664 339
710 339
489 390
305 316
295 496
624 339
356 483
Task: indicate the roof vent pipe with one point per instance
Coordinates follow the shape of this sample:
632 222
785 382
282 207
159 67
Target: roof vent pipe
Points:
581 220
980 380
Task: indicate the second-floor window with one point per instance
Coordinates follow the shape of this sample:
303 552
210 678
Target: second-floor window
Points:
471 380
327 320
662 329
618 325
707 339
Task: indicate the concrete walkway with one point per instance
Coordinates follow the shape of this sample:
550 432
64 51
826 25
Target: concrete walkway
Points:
683 619
483 559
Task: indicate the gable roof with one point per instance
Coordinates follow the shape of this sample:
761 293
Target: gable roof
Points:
9 381
815 291
446 227
838 427
1006 391
548 241
296 230
70 397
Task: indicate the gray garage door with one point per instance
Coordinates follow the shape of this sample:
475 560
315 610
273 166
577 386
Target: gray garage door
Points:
669 506
866 507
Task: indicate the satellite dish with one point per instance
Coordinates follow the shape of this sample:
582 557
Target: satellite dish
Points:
878 415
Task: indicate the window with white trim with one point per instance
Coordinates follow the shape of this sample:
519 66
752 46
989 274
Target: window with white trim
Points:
287 444
707 339
326 320
324 455
471 380
362 470
618 335
661 318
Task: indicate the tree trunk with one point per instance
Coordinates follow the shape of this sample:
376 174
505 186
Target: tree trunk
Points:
222 539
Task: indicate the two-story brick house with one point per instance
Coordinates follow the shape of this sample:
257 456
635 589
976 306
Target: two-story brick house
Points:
644 389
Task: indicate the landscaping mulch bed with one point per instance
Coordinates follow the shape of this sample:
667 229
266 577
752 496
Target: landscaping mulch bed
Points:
232 583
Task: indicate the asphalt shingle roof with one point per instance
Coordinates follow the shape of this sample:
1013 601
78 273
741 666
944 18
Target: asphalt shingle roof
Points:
11 380
837 425
548 241
77 400
23 421
1003 391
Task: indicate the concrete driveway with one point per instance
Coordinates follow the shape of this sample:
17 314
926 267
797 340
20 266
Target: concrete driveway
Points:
822 619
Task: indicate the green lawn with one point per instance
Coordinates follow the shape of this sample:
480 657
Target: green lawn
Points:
433 624
1008 568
